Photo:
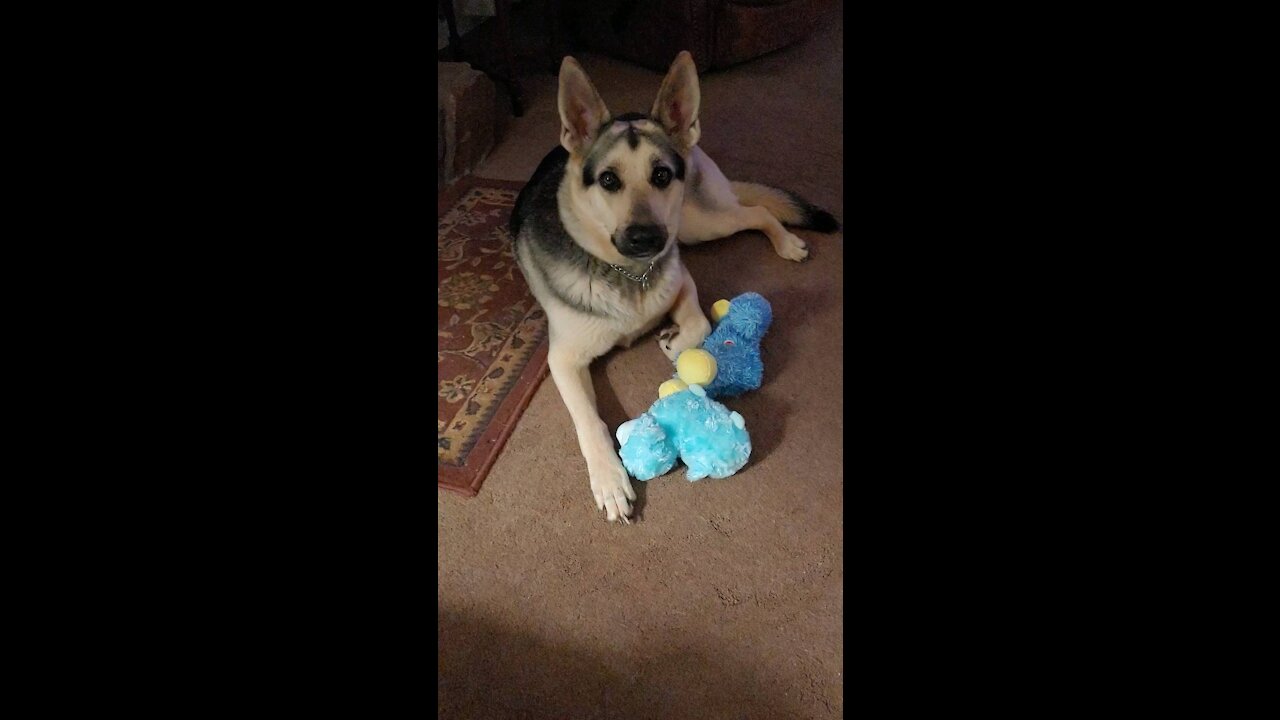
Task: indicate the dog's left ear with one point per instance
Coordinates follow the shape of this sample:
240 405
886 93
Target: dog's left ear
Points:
676 108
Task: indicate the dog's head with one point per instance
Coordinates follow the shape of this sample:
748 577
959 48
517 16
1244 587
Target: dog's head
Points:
626 173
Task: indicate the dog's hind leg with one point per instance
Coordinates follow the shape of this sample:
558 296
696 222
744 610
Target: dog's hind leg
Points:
698 224
714 208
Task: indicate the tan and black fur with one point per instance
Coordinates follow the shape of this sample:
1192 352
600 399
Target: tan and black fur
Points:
616 199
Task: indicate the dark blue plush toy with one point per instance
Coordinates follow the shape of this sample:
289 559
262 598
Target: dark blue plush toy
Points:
735 344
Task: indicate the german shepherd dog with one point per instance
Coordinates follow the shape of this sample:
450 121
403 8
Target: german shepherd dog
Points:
596 232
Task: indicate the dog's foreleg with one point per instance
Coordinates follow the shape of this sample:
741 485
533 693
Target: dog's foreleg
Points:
609 482
691 325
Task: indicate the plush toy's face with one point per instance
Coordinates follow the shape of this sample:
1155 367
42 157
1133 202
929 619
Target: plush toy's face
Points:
735 344
732 349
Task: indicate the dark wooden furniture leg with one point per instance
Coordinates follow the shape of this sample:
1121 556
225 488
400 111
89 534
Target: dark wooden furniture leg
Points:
503 8
507 78
555 38
455 40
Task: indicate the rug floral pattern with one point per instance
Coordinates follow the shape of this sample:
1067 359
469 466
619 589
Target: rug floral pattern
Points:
489 325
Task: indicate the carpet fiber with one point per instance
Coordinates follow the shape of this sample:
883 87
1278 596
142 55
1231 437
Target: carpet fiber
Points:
723 599
491 334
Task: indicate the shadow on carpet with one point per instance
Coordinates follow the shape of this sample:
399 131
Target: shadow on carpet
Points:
486 671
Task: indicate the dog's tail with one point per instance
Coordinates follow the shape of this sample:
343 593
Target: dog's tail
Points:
788 207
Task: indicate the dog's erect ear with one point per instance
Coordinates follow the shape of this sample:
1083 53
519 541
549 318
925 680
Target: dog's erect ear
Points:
676 108
582 112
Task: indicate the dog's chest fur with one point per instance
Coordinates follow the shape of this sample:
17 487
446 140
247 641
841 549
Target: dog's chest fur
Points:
601 291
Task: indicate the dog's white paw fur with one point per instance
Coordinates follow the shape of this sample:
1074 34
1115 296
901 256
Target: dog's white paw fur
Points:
611 486
675 339
792 248
666 340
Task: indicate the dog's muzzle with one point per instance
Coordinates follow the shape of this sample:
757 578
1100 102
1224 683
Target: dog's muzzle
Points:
642 241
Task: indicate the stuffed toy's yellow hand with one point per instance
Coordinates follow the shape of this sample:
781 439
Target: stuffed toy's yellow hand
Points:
696 366
674 385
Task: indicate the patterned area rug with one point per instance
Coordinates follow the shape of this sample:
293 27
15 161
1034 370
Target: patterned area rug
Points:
492 335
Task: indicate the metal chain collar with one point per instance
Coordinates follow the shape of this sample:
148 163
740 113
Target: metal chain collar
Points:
642 279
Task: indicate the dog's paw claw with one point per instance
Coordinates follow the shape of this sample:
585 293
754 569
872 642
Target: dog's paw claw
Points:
611 488
666 341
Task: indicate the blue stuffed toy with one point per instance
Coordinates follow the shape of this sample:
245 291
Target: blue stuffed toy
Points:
685 425
735 344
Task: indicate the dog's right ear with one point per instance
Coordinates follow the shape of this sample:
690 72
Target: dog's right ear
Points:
582 112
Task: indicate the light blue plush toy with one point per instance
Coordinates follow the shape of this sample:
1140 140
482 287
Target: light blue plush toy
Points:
689 426
735 344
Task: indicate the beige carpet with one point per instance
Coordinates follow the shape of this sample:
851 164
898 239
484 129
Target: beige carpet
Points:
725 599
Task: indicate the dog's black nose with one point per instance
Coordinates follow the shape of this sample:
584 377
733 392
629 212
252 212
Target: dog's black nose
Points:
642 240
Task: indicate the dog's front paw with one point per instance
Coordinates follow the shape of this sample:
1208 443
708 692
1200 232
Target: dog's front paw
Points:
611 486
666 337
792 248
676 339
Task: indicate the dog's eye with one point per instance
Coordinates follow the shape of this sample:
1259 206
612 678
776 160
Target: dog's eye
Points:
609 181
661 177
729 343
